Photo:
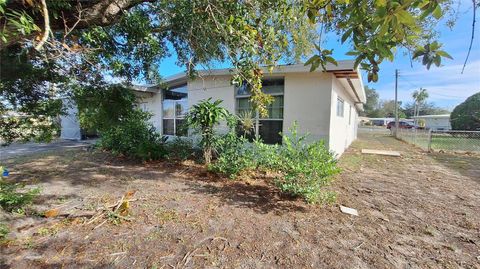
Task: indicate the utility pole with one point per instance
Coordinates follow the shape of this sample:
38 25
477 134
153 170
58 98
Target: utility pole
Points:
396 104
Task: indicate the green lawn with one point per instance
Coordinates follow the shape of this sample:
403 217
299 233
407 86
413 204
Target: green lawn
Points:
455 143
441 141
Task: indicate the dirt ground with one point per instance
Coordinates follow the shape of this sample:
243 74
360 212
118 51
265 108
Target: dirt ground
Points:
416 211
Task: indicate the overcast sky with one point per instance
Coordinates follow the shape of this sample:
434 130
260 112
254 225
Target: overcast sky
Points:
446 85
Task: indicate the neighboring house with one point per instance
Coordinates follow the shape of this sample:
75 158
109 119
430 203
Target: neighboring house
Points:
323 103
363 120
435 122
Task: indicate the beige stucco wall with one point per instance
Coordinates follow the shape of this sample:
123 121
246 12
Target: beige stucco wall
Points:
151 102
307 101
343 130
216 87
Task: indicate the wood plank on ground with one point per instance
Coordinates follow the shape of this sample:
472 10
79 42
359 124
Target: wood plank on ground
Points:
381 152
348 210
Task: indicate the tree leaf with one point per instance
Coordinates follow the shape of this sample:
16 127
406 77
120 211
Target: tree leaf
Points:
437 12
346 35
444 54
311 60
380 3
405 17
417 54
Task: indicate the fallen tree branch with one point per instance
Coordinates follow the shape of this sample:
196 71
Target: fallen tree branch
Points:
186 259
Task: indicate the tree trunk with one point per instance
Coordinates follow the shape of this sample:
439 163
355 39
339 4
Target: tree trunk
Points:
207 155
415 113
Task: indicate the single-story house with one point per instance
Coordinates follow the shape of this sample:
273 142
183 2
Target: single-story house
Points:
435 122
325 104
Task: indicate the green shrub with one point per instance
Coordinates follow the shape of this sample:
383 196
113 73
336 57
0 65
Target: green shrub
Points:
203 117
102 106
124 129
3 231
134 137
306 167
13 196
234 155
327 197
24 129
181 149
267 156
466 116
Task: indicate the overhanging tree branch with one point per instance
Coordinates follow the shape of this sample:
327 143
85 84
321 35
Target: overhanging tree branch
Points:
473 34
94 12
46 21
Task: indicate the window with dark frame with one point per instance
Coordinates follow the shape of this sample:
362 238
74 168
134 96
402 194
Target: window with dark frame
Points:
269 128
175 106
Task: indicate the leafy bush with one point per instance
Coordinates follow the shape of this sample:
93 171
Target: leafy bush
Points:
466 116
102 106
203 117
3 231
134 137
24 129
306 167
123 128
13 196
234 155
181 149
267 156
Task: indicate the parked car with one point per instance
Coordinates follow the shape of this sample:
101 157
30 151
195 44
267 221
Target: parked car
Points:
378 122
401 125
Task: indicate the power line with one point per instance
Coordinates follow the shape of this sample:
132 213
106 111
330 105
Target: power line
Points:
431 92
408 81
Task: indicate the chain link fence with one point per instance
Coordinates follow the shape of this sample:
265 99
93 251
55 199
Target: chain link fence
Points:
429 140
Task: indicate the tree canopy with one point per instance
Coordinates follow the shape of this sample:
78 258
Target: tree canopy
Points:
427 108
376 108
83 42
371 106
466 116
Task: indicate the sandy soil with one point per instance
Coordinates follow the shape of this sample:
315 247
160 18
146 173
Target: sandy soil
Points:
417 211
